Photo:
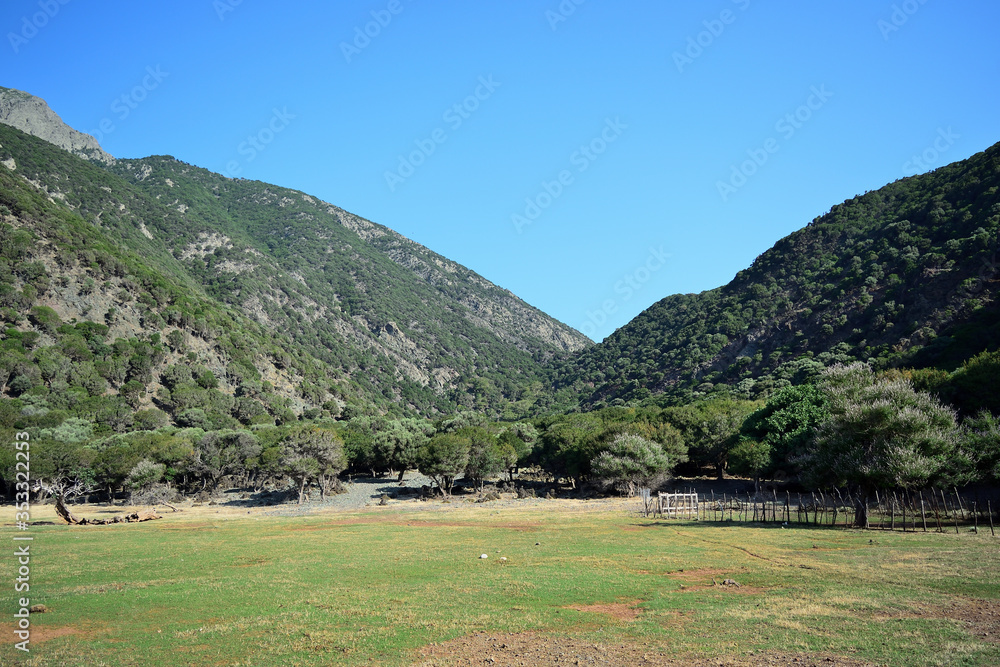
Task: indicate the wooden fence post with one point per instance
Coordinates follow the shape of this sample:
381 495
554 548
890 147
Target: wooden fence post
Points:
923 516
937 512
892 512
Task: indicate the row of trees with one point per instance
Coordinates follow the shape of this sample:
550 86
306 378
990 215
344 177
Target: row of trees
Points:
869 432
852 427
183 460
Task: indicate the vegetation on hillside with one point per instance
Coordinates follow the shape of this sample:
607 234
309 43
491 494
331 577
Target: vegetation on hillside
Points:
168 330
905 275
355 312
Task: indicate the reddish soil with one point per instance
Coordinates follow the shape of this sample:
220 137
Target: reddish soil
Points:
980 618
622 611
528 649
39 633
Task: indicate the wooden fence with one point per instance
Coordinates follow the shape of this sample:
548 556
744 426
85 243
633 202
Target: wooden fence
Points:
928 510
678 505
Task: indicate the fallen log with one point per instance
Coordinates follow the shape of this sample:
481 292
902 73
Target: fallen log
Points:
73 520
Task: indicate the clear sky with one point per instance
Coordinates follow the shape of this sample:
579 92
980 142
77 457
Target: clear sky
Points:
649 147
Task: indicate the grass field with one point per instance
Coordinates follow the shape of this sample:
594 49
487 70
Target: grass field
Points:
405 584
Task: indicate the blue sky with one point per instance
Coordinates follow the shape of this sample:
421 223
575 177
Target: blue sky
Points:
592 158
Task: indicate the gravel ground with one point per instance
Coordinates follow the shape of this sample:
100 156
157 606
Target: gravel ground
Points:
361 492
365 492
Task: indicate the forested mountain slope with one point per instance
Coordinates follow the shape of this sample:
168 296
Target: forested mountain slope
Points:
906 274
330 278
340 308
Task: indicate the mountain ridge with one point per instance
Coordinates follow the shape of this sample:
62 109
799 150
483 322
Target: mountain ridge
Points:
885 276
406 325
33 116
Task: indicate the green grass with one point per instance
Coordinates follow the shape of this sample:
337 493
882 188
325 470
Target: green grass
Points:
348 589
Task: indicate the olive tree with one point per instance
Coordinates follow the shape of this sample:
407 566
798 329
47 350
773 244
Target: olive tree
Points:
397 443
224 453
312 453
881 433
489 456
632 461
444 458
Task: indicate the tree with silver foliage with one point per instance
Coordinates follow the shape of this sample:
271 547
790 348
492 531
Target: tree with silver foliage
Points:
143 475
881 434
310 454
444 458
631 461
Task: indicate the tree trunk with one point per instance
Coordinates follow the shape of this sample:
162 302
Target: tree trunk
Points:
720 469
401 474
302 489
861 510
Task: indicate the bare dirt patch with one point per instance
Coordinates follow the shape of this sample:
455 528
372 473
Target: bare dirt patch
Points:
980 618
533 648
40 633
712 579
621 611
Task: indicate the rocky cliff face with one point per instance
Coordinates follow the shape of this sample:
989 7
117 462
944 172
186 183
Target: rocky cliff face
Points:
33 116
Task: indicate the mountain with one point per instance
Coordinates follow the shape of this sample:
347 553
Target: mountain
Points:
285 300
905 275
32 115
